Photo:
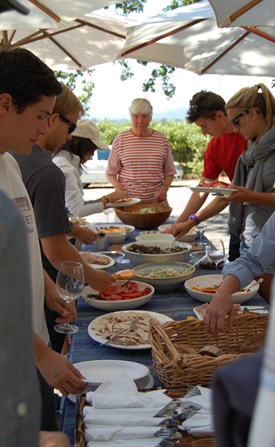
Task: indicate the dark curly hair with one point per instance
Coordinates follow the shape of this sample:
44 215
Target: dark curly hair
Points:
205 104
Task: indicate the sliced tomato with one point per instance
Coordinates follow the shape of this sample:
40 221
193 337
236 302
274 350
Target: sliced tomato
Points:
112 290
115 297
129 296
130 287
146 291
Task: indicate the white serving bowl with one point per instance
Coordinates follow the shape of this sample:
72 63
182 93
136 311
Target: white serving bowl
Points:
141 258
115 238
121 232
155 236
133 303
164 284
188 237
210 281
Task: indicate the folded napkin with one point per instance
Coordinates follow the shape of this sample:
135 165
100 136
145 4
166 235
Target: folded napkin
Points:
203 398
119 419
103 412
107 433
123 393
148 442
200 423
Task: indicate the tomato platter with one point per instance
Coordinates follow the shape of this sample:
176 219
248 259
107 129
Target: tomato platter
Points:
122 295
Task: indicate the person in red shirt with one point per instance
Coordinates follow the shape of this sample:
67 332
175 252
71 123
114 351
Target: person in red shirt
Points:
207 110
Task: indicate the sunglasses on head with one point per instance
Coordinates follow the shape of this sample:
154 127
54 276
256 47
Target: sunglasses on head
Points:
72 126
236 121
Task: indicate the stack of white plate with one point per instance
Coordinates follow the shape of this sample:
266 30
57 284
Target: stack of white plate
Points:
99 371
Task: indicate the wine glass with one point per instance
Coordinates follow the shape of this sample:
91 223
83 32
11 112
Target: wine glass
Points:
215 251
69 285
200 231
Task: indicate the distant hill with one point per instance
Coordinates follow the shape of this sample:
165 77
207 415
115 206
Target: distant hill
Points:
173 114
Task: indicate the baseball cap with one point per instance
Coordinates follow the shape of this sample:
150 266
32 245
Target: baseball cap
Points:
87 129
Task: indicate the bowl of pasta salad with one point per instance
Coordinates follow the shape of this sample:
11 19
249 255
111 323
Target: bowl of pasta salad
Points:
164 277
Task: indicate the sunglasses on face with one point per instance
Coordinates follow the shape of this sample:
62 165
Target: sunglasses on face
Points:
236 121
72 126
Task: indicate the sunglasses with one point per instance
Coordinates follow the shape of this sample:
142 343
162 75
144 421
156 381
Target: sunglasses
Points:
72 126
236 121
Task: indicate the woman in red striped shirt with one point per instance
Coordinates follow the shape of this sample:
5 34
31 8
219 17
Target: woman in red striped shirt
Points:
141 161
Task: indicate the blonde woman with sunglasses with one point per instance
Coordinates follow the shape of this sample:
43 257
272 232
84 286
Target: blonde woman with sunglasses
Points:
251 111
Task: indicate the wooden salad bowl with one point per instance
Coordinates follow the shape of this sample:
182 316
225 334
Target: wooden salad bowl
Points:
131 215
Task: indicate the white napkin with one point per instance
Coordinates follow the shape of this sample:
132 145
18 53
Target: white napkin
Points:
123 393
203 399
107 433
201 423
103 412
119 419
148 442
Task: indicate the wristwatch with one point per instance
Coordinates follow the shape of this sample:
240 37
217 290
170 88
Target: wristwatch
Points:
195 218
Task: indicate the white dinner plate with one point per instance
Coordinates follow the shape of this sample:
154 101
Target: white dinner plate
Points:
119 204
223 192
160 317
99 371
100 266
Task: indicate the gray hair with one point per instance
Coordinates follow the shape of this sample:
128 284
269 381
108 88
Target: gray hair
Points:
141 106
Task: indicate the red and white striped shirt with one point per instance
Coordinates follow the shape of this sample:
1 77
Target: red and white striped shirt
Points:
141 163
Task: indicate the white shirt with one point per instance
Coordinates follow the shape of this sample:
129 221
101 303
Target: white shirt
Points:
69 165
12 184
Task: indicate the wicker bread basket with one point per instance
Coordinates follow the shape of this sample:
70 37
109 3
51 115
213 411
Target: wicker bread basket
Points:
176 346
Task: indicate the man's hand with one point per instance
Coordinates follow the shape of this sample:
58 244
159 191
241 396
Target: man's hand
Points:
58 371
221 308
67 311
116 195
179 229
84 235
101 280
53 439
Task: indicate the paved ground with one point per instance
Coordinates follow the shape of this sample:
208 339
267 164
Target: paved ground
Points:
178 195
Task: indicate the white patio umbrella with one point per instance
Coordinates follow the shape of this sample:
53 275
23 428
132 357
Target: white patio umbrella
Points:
244 12
256 16
47 13
61 42
82 43
188 37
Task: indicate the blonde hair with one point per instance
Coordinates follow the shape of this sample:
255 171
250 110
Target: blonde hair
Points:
141 106
250 97
67 102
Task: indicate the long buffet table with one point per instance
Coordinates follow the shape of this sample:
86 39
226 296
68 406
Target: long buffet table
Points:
177 305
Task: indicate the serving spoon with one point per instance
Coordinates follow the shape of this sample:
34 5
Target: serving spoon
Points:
253 283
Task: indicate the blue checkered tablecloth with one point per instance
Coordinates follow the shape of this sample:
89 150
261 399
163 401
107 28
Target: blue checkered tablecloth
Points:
177 305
